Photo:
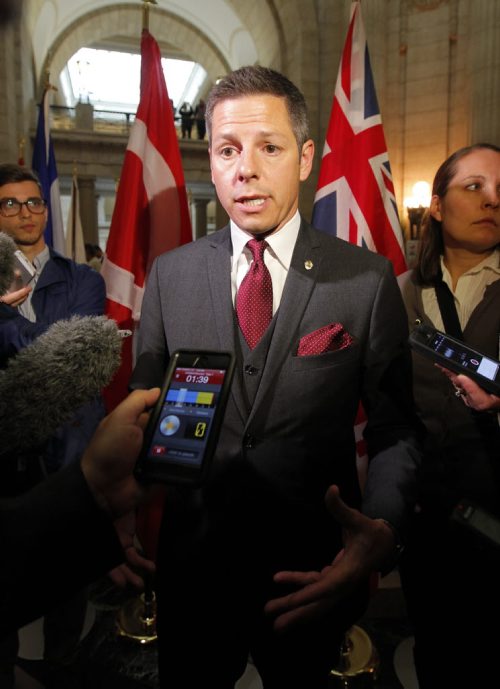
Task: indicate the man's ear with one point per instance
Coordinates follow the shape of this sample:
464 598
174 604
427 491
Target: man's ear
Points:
306 159
435 208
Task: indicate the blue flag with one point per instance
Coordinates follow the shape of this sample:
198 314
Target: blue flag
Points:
44 164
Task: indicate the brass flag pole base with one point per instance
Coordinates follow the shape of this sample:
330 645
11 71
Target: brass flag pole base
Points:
136 618
358 664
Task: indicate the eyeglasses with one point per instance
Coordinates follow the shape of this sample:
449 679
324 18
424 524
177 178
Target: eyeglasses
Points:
11 207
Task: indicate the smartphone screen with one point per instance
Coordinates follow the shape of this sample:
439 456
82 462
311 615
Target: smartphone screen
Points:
183 428
464 357
24 269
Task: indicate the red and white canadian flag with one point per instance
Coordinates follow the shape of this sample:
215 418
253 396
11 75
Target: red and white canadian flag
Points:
151 212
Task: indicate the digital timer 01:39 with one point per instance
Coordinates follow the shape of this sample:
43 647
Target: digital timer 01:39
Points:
182 432
197 379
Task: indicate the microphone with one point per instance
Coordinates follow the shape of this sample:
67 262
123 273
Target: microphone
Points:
65 367
7 251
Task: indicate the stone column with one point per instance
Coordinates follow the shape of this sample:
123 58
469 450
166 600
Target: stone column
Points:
484 76
88 208
84 116
221 217
9 75
200 217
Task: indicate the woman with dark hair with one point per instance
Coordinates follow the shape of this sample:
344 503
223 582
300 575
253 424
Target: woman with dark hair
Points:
449 574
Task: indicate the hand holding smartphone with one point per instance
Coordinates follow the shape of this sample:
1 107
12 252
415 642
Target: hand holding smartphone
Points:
24 270
183 428
457 356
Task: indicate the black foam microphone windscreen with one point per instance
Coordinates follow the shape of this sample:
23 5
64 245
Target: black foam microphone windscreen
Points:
45 383
7 249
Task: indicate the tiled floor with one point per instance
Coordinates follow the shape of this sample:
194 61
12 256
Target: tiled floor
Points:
385 622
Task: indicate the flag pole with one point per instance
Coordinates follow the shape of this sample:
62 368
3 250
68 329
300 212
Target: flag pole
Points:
145 13
48 86
73 212
44 164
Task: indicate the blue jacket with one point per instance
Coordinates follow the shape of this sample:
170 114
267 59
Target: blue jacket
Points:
64 289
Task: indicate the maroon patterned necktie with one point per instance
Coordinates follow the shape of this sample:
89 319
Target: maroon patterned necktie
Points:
254 301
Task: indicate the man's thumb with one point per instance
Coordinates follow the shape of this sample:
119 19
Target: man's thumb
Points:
337 507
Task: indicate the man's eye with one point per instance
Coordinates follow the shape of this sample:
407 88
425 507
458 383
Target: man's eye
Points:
271 148
10 203
227 152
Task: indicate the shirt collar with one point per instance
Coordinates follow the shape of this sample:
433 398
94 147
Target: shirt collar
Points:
41 259
491 262
281 243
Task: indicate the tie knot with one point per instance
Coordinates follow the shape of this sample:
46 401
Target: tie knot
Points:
257 247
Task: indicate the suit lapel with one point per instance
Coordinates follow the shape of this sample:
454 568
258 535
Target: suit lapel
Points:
219 278
299 285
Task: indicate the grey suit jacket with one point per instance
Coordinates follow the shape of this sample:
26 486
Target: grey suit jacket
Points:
288 429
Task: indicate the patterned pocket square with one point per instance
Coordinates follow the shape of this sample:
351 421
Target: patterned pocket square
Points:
329 338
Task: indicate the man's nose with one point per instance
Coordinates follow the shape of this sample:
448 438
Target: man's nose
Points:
247 166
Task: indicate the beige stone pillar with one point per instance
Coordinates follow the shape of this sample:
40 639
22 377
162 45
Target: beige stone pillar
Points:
484 77
9 73
88 208
84 116
221 217
200 217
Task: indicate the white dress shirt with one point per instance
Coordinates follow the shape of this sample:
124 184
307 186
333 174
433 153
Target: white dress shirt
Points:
468 292
277 256
26 309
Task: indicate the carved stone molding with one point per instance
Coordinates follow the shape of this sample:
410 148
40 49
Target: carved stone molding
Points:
423 5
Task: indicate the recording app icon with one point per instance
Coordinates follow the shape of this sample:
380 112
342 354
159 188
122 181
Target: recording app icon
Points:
170 425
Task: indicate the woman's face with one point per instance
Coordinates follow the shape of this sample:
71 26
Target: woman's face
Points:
469 211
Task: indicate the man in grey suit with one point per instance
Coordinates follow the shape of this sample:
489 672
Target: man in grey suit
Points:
253 562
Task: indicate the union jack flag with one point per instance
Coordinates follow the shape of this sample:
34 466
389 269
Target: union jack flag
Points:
355 197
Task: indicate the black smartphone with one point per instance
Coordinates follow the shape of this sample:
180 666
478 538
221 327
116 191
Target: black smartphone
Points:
478 520
457 356
24 269
182 432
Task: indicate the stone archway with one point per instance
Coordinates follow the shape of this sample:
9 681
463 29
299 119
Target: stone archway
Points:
126 20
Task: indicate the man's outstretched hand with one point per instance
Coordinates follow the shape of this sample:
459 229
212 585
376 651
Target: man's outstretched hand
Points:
369 546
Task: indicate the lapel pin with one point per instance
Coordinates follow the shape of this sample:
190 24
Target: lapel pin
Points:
308 265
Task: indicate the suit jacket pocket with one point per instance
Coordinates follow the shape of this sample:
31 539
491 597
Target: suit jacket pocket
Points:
328 359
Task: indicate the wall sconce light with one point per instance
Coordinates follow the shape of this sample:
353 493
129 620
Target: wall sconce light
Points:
416 205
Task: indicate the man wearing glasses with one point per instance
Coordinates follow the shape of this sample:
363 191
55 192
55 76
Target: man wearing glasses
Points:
58 289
